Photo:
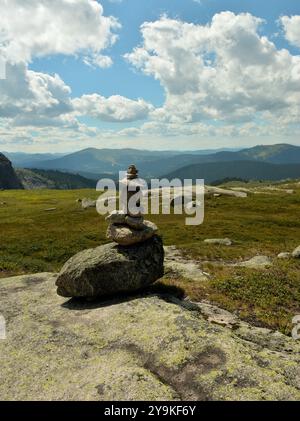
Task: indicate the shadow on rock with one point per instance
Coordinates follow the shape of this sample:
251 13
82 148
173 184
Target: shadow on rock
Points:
159 289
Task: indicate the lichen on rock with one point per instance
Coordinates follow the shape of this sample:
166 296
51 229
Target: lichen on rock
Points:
139 347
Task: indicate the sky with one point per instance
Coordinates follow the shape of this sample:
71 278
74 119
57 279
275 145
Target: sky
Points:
155 74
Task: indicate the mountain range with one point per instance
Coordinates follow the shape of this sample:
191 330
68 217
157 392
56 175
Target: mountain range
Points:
263 162
29 160
93 159
245 170
92 162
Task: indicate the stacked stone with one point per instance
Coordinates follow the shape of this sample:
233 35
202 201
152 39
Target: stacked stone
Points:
125 227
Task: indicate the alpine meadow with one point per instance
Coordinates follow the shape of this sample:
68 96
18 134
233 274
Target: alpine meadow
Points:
149 204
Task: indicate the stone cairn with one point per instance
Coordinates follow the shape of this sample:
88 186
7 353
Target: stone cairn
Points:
127 264
127 226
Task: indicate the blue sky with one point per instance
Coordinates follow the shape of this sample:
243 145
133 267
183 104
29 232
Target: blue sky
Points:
122 79
200 113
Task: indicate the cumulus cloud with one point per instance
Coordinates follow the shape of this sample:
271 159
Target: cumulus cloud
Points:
223 71
223 79
32 98
29 98
291 26
38 28
113 109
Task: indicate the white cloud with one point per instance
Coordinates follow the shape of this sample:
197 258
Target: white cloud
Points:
98 60
114 109
291 26
29 98
32 98
221 72
38 28
222 81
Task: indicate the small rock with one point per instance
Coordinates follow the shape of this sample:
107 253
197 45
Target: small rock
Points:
186 269
136 223
126 236
88 203
256 262
50 210
213 313
219 241
112 269
193 205
296 253
116 217
284 255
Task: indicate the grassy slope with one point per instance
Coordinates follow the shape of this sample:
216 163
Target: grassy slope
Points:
34 240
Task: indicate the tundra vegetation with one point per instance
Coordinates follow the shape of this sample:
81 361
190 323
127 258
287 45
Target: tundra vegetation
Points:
41 229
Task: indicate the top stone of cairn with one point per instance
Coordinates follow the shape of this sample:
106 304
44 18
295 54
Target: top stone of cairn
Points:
132 172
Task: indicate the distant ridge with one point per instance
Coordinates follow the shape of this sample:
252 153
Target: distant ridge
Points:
277 154
97 161
23 160
93 163
246 170
156 163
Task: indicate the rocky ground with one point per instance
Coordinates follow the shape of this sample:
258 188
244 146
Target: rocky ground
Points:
149 346
177 265
152 345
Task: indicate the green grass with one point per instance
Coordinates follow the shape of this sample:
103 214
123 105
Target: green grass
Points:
34 240
266 297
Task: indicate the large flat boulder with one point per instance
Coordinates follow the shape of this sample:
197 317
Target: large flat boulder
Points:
141 348
112 269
